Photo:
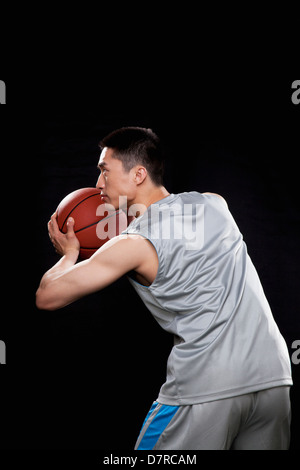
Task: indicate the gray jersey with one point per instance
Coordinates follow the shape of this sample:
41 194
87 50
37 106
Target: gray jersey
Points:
208 295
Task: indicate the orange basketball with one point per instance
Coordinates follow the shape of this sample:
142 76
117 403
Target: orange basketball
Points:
95 221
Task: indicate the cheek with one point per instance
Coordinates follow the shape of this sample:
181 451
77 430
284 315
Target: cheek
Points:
119 186
124 185
128 190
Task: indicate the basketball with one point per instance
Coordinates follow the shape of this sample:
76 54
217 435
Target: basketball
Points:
96 222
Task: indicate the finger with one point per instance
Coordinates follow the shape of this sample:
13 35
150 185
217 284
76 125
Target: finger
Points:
50 230
52 224
70 225
50 233
53 218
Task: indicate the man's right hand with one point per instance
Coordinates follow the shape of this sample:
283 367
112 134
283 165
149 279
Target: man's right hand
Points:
63 242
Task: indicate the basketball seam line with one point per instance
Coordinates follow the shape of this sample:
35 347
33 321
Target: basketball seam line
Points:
94 223
96 247
92 195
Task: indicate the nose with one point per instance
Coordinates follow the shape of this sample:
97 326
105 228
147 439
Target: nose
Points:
100 182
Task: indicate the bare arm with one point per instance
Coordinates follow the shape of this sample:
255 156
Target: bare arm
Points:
66 281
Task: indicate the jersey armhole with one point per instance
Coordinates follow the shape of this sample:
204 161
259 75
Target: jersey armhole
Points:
160 268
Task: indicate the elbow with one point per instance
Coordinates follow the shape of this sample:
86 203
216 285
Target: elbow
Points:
43 302
39 299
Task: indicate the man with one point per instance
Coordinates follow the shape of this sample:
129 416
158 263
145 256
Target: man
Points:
228 374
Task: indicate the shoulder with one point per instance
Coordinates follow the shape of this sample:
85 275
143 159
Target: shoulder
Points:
215 194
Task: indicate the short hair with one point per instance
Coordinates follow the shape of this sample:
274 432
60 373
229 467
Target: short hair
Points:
136 145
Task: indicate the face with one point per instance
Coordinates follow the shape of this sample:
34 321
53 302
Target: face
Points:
116 185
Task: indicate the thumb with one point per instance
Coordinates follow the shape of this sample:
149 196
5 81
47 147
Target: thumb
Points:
70 225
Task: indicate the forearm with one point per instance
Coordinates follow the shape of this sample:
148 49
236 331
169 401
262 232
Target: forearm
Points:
52 275
66 262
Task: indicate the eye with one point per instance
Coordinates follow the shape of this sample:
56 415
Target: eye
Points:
102 170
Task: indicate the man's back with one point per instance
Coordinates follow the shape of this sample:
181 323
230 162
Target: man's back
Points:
208 294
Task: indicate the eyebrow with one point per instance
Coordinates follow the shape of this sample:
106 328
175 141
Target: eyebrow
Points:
101 165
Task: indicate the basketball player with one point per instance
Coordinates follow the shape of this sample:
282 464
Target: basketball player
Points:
228 374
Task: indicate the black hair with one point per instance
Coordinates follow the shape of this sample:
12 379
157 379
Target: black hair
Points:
136 145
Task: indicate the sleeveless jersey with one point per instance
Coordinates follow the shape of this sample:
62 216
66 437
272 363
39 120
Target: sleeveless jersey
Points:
208 295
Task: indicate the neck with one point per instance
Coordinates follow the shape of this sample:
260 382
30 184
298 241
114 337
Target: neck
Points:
157 195
151 197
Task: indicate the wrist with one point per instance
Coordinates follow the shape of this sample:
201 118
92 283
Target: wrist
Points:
72 254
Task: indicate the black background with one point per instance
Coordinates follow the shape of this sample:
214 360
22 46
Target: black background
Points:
84 377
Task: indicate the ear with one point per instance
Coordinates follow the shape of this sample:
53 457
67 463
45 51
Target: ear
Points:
140 174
